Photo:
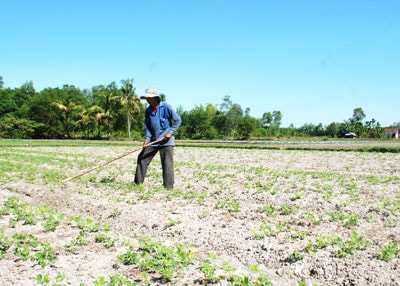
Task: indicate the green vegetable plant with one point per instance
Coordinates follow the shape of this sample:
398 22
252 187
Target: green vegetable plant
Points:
46 255
44 279
389 252
356 242
156 257
5 244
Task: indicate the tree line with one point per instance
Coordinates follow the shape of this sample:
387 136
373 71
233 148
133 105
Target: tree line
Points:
115 110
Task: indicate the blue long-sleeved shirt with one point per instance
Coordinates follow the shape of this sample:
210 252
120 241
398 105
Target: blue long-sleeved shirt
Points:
158 124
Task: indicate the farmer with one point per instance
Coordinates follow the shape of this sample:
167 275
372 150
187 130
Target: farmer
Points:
161 121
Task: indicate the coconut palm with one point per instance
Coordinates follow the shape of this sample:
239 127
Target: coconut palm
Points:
130 101
89 117
106 96
66 108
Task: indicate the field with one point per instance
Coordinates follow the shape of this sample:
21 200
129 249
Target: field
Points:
240 215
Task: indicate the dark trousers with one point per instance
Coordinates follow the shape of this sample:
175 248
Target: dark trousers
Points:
167 163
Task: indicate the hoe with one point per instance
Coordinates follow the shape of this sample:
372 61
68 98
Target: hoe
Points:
111 160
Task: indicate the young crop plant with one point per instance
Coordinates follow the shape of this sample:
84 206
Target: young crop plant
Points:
46 255
345 219
209 271
392 205
351 220
51 223
268 230
21 212
116 279
203 214
269 210
171 222
46 281
327 195
287 210
115 213
128 258
390 224
24 243
154 257
268 187
356 242
215 273
22 251
106 240
227 203
388 252
297 196
28 247
313 218
322 241
296 234
5 244
85 224
296 255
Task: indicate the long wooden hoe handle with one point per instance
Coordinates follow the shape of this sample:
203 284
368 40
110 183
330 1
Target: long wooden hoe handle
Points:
111 160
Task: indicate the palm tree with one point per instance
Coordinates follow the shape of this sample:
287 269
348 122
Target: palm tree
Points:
67 108
89 117
106 96
130 100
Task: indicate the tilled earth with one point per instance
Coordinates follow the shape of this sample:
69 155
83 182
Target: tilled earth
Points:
256 212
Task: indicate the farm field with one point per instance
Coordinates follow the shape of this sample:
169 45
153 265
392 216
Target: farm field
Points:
237 216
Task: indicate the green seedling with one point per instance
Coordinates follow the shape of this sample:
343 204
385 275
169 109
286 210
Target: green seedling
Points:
106 240
389 252
356 242
46 255
5 244
51 223
171 222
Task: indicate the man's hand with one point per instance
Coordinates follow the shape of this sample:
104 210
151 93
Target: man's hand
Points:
145 144
168 136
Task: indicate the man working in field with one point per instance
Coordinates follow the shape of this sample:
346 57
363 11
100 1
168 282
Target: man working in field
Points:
161 121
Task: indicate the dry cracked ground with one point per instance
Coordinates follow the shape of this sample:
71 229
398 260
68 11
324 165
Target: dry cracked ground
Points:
235 217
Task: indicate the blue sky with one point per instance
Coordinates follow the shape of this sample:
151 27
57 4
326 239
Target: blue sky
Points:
315 61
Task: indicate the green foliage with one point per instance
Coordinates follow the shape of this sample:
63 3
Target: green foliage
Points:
154 256
5 244
51 223
109 110
389 252
46 281
356 242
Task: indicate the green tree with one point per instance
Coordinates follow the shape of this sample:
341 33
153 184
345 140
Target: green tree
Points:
130 101
374 129
7 103
226 104
358 115
90 118
24 93
40 108
246 126
67 108
272 121
233 117
332 130
198 123
106 96
356 122
267 119
20 128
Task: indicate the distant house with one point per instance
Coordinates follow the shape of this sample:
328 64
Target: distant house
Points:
392 132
